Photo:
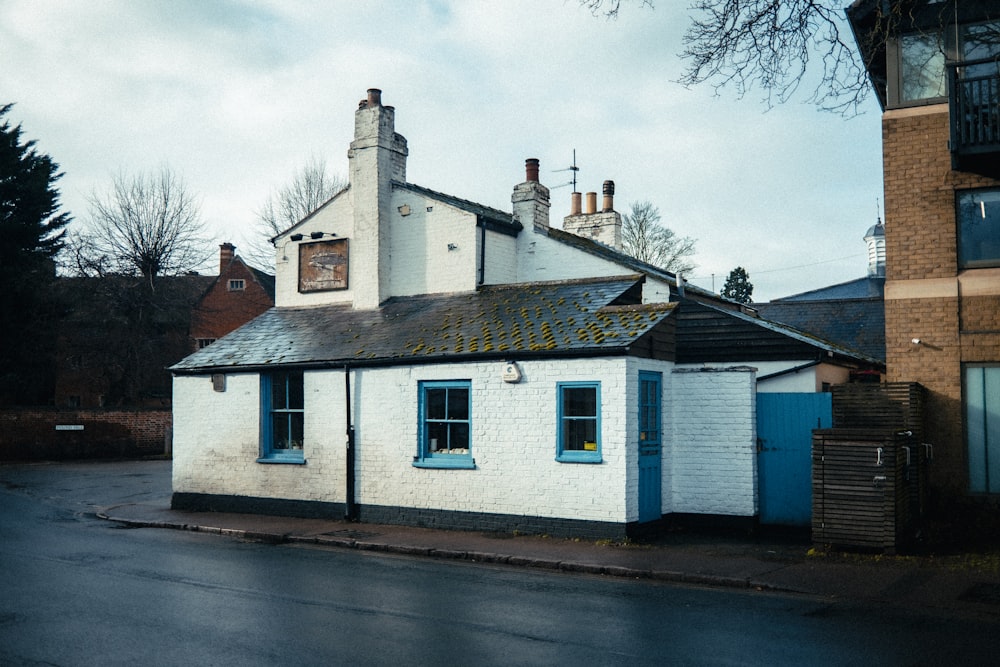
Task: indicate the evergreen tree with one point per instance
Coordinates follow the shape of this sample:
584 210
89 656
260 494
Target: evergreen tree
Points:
31 235
738 287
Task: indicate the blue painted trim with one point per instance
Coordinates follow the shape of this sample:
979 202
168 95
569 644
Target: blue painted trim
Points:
288 460
459 462
425 458
577 456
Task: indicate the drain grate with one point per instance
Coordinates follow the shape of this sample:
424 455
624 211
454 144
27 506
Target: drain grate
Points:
352 534
987 593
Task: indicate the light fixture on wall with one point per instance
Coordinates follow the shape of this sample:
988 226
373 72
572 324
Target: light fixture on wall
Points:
452 246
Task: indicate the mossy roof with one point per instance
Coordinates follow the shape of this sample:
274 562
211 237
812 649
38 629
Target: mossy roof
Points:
577 317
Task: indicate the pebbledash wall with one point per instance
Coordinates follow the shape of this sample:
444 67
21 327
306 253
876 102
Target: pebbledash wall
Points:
708 459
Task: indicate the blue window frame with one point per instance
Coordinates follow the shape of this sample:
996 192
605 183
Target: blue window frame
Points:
445 408
579 422
982 427
282 423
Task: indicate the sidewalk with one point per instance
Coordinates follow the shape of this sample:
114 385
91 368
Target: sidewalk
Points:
968 583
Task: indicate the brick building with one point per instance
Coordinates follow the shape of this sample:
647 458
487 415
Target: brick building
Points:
938 81
486 369
239 294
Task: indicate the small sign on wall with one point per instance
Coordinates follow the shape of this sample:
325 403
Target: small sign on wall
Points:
69 427
323 266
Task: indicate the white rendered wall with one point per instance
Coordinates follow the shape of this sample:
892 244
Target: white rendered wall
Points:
713 441
431 251
333 218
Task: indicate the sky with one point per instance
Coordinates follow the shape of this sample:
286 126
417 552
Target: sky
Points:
235 96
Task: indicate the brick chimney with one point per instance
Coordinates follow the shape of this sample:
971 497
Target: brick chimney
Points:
531 199
226 253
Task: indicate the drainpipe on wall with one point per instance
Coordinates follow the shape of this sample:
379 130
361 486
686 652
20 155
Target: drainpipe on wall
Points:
350 510
482 251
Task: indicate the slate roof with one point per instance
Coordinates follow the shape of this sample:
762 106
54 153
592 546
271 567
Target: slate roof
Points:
578 317
860 288
858 324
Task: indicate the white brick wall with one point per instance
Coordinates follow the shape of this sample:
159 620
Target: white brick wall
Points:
713 441
514 442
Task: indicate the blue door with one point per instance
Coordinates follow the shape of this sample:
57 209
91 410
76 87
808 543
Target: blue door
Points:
650 446
785 423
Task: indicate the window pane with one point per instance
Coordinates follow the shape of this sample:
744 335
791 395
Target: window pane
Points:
979 228
459 438
296 393
580 435
436 400
922 67
458 403
279 389
296 424
437 437
279 437
579 401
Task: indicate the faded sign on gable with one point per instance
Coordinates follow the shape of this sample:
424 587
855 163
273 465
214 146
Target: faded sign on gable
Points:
323 266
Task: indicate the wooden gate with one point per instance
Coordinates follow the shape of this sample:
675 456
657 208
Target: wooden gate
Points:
785 423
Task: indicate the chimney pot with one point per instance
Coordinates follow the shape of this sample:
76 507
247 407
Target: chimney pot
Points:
609 197
574 203
591 203
531 169
374 97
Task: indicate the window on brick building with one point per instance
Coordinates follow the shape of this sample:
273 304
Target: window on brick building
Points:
237 285
978 228
579 422
282 397
445 409
982 427
205 342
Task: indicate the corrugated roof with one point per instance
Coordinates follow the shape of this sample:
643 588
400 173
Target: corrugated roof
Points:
580 316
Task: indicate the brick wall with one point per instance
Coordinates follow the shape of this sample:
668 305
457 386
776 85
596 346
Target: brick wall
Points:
32 434
708 450
713 455
954 314
223 310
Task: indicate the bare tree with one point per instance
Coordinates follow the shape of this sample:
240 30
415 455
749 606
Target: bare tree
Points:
145 225
776 46
644 238
310 187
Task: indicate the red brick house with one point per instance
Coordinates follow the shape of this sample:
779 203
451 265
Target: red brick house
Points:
238 295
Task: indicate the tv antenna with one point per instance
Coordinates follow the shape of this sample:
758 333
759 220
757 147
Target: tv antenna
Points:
572 168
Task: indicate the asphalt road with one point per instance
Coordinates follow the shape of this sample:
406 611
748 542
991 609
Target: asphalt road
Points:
76 590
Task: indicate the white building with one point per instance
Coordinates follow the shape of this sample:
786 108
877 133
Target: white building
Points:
436 362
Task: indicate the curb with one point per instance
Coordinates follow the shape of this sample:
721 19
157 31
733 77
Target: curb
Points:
573 567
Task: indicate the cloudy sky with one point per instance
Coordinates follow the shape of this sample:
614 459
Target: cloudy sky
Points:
236 95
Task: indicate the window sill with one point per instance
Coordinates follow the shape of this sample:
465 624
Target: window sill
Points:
454 463
299 460
579 457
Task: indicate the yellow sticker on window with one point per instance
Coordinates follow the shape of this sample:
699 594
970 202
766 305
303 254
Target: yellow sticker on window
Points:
590 446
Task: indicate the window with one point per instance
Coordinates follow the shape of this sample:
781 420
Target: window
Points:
237 285
649 410
922 70
579 428
282 416
445 424
978 228
982 427
205 342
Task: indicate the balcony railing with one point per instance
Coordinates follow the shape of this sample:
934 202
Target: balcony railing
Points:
974 98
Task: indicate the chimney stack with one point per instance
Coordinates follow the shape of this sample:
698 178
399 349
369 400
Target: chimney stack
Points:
609 197
374 97
531 198
226 253
575 204
591 203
